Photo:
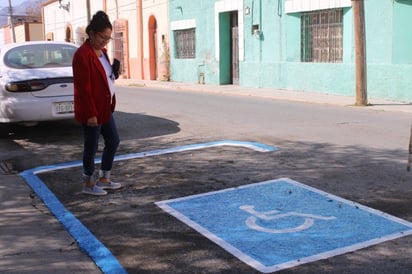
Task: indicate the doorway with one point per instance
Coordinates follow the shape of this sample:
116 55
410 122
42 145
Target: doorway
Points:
235 48
120 46
229 48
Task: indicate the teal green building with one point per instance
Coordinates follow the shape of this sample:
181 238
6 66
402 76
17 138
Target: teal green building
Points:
305 45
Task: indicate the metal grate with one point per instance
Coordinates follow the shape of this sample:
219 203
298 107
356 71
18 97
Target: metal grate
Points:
321 36
118 49
185 43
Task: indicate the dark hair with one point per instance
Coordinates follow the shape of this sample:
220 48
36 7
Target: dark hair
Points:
99 23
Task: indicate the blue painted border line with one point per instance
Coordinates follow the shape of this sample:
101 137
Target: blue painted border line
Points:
101 255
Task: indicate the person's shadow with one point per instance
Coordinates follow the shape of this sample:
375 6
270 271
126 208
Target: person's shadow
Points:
138 126
129 125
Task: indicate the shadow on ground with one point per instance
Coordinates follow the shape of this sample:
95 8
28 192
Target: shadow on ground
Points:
62 141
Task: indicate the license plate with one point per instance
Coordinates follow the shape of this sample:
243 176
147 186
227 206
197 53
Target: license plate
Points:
64 107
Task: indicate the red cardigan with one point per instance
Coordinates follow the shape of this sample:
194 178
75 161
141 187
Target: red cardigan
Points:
91 88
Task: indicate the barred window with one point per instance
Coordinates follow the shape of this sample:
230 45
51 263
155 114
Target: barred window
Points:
185 43
321 36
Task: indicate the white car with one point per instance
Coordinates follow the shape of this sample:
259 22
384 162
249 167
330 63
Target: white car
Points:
36 82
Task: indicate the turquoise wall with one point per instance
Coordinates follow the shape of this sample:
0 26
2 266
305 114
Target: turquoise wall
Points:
272 59
264 52
187 70
333 78
402 33
389 55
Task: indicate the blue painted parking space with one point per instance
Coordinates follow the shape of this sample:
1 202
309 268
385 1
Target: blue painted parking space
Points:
282 223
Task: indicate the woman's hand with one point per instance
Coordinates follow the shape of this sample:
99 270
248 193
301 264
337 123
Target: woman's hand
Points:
92 122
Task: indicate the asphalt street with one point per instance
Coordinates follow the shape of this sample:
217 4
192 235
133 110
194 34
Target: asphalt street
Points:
33 241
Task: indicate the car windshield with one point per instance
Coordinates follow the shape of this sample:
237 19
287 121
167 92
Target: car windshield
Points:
40 56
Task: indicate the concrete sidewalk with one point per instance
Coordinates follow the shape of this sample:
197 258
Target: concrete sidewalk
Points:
33 241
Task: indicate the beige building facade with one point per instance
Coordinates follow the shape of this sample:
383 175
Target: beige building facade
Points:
140 32
21 32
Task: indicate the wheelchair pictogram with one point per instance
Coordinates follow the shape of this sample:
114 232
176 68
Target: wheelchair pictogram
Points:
272 215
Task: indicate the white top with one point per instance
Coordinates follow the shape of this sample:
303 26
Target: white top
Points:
109 72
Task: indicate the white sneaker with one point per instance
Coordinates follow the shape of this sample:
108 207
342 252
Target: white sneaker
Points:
94 190
109 185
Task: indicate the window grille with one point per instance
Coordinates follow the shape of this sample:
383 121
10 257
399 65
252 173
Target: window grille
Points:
185 43
321 36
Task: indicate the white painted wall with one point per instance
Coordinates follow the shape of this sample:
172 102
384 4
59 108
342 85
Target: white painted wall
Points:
310 5
159 9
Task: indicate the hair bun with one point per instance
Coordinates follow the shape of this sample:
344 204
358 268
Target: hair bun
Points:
100 21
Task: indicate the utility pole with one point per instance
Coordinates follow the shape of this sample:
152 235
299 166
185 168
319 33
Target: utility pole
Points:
11 22
360 50
89 16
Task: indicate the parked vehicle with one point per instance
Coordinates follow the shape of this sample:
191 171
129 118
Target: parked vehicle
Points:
36 82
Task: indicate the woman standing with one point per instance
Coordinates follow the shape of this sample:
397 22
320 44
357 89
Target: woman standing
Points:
94 103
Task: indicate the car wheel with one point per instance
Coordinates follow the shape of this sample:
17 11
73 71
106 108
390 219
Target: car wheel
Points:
4 129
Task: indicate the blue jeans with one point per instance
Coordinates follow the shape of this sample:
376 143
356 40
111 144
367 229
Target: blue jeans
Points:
91 142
